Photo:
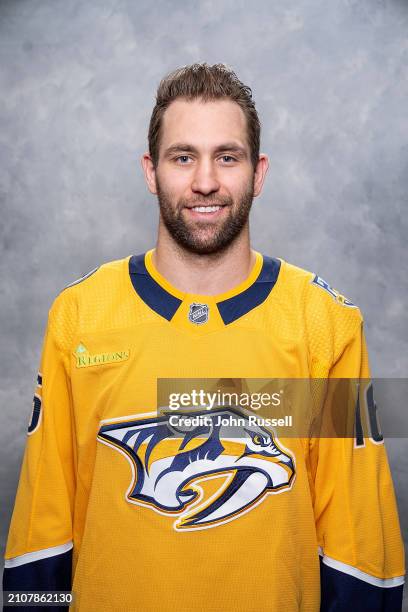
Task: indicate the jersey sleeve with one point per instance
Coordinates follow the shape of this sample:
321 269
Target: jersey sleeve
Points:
360 545
39 548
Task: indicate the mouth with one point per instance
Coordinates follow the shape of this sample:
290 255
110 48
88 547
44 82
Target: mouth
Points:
207 211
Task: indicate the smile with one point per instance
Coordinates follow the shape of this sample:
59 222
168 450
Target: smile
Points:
206 209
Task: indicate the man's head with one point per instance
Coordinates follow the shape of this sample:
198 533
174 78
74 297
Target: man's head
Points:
203 161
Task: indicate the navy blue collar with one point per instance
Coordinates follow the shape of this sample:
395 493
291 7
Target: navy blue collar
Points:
231 309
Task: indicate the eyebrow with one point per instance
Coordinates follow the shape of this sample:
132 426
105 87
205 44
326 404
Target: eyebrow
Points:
189 148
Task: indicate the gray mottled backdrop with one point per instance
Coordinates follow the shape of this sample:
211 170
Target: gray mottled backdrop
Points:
77 84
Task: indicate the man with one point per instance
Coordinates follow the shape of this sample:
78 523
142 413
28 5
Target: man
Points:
158 516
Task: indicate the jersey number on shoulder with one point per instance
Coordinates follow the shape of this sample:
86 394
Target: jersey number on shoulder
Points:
338 297
374 428
36 413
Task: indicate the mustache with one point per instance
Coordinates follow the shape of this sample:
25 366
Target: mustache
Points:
206 201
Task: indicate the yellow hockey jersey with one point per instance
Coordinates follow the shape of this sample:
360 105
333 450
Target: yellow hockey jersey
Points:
113 504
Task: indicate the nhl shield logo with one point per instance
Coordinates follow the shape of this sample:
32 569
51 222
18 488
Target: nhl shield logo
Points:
198 313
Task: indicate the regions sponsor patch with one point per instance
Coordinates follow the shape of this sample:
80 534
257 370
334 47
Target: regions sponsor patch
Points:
338 297
84 359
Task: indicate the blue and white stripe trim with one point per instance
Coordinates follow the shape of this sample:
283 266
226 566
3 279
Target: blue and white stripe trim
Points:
37 555
385 583
79 280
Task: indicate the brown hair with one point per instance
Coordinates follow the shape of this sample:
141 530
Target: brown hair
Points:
208 83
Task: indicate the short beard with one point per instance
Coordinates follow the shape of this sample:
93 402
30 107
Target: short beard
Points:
191 239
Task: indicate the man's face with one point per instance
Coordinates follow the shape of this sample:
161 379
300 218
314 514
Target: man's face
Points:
204 178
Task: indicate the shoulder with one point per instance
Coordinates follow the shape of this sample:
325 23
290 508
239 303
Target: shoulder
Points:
83 298
98 276
316 292
330 319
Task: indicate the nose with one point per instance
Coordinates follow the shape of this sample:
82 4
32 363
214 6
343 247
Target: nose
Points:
205 179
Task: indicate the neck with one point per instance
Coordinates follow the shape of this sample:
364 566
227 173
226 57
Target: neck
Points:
204 274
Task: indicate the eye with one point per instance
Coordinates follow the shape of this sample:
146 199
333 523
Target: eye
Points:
183 159
257 439
228 158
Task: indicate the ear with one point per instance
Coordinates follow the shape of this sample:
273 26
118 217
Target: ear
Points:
260 173
149 172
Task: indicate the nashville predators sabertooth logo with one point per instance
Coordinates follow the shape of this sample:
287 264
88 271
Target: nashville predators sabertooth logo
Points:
172 465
